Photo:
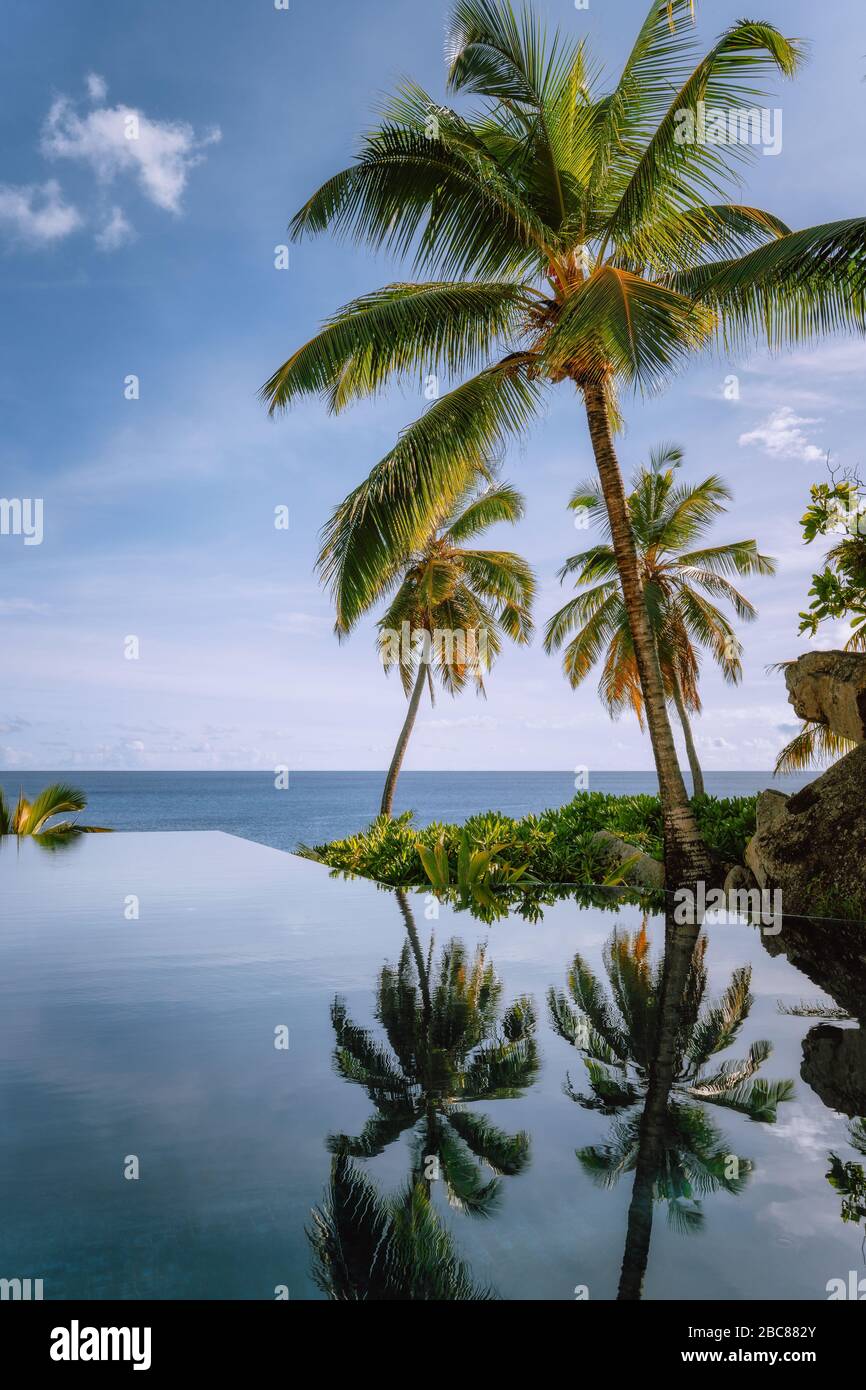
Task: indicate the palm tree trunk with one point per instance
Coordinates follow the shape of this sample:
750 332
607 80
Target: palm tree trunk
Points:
691 751
402 742
680 944
686 856
415 943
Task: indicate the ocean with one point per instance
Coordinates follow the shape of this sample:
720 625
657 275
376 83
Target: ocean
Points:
321 806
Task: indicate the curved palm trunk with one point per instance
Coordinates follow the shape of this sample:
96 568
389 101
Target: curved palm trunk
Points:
691 751
402 742
686 856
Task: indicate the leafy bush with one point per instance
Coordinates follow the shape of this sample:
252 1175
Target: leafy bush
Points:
727 824
554 847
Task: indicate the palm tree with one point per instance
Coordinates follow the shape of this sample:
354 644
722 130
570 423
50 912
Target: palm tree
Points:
366 1248
32 817
576 238
617 1038
459 602
815 745
680 578
448 1048
647 1053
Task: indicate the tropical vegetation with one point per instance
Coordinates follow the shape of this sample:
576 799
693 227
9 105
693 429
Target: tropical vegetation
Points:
555 847
838 594
37 817
570 236
452 606
681 576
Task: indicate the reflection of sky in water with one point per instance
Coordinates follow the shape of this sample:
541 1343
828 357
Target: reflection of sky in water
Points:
155 1037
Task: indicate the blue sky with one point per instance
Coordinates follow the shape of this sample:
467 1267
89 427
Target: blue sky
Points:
158 511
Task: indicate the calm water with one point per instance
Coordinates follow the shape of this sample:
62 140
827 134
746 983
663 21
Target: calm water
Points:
153 1037
321 806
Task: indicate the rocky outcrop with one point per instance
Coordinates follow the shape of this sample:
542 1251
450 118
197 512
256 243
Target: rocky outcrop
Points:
812 846
830 688
738 878
834 1065
643 872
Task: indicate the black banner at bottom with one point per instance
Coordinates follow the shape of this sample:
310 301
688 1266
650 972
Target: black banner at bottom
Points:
159 1338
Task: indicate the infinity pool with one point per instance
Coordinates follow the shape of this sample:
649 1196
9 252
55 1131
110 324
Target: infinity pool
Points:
226 1074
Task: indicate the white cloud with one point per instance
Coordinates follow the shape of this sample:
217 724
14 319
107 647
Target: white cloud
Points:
36 214
782 436
97 87
115 232
121 139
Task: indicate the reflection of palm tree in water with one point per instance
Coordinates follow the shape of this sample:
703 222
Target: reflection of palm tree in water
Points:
654 1042
448 1047
849 1179
368 1248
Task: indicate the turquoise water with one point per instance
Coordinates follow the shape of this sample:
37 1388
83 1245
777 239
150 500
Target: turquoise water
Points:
150 1035
321 806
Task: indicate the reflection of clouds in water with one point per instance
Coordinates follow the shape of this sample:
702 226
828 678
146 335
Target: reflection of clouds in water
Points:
803 1218
811 1133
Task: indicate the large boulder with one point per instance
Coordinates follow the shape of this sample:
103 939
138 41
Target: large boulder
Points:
812 846
642 872
830 687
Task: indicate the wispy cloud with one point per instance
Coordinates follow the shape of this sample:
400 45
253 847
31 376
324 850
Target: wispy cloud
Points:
37 214
97 87
783 436
115 232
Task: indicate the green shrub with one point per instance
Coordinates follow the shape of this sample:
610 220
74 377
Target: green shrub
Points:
727 824
554 847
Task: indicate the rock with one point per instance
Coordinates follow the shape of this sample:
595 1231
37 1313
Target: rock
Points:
830 954
833 956
739 877
771 808
834 1065
812 846
830 687
645 872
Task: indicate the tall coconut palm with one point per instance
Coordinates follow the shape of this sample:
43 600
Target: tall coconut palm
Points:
33 817
680 578
574 235
452 607
448 1047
